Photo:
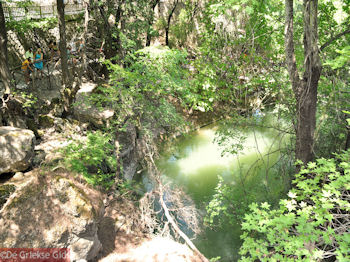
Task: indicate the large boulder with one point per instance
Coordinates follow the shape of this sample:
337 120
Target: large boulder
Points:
53 210
17 149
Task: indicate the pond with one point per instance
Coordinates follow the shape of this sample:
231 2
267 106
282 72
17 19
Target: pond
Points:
195 163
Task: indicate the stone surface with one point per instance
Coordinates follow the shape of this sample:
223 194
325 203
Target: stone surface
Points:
39 157
52 210
85 112
17 149
18 175
129 156
5 192
46 121
159 249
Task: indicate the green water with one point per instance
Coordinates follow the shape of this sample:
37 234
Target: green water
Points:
195 162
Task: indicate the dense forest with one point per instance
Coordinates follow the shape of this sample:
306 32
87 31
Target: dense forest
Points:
176 130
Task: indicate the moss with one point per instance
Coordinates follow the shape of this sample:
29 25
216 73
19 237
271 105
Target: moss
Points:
46 121
28 193
5 192
41 133
84 210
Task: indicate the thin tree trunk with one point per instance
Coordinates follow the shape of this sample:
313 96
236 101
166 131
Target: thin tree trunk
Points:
305 89
150 22
67 95
86 25
118 18
4 68
109 50
347 143
167 28
113 45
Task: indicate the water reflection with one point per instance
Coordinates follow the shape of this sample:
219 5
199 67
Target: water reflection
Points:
195 162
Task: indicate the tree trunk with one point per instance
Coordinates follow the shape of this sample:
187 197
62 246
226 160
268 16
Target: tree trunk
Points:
347 143
67 95
86 26
109 51
167 28
4 68
150 22
118 18
112 43
305 89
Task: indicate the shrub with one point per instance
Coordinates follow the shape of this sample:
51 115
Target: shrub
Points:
311 225
93 158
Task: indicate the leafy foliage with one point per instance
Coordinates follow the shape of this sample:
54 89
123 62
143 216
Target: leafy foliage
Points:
142 90
93 158
310 224
341 60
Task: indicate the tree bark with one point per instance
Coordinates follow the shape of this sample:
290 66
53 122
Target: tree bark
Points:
109 50
113 46
305 89
167 28
86 26
154 3
347 142
4 68
67 95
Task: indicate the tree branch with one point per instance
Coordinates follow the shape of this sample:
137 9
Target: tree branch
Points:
170 219
336 37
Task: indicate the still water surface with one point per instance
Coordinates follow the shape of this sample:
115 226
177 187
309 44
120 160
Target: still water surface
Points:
195 163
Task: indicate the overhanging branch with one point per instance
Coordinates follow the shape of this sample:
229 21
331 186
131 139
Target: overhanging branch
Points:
336 37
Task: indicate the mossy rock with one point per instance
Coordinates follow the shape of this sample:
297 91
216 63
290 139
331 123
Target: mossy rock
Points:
46 121
5 192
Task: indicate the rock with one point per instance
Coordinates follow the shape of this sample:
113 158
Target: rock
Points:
17 149
85 112
57 108
59 124
159 249
39 157
5 192
33 126
18 176
129 157
16 121
41 133
129 170
15 115
46 121
52 210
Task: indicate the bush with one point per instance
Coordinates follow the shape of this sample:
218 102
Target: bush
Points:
311 225
93 158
